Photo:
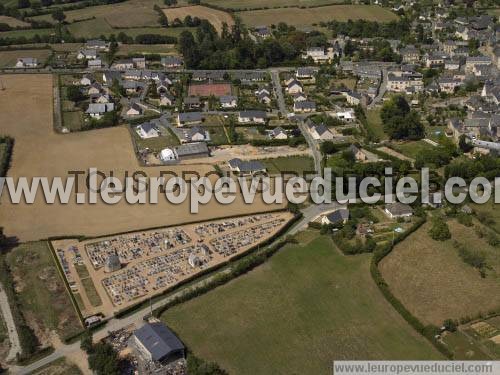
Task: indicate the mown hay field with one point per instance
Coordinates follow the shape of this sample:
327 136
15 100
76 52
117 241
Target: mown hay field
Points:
8 59
306 17
307 306
13 22
433 282
132 13
214 16
39 151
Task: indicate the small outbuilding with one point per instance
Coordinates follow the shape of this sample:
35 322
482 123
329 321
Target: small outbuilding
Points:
112 264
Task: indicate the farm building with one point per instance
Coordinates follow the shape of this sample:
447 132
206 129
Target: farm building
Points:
97 44
158 343
192 151
87 54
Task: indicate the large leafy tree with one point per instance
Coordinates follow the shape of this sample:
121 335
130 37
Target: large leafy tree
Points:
400 122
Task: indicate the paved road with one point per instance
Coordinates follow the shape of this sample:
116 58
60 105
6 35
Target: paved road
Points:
381 91
275 76
313 145
15 346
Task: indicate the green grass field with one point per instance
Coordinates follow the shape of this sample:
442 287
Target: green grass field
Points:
13 22
295 314
434 283
91 292
463 347
27 33
8 59
412 148
94 28
41 292
297 164
132 13
73 120
251 4
375 125
167 139
306 17
125 49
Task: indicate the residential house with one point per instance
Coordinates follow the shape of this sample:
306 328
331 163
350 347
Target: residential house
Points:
306 72
189 118
94 64
336 217
304 106
293 86
171 61
279 133
435 60
135 110
299 97
167 100
167 155
192 102
123 64
148 130
195 134
471 63
398 210
398 81
346 115
87 80
258 117
410 54
262 32
139 62
228 101
87 54
249 76
94 89
246 167
96 110
97 44
448 85
320 132
319 55
363 155
109 76
263 96
100 98
26 62
452 64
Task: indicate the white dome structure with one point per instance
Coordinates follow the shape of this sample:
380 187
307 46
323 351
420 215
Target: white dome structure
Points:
167 154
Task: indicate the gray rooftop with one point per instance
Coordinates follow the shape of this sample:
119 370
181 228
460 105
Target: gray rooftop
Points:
159 340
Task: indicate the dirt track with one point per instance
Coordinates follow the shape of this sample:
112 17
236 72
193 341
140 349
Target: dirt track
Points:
26 115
